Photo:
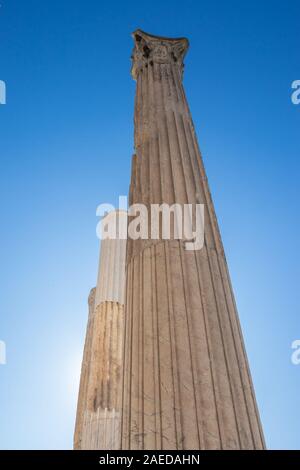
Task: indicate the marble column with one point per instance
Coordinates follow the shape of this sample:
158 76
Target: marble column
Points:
187 383
99 404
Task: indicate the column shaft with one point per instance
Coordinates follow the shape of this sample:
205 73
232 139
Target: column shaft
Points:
98 424
187 383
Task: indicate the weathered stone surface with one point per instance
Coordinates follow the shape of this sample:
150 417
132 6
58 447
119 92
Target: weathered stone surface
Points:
187 383
100 406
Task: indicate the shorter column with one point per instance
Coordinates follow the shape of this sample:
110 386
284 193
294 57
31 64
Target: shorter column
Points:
98 422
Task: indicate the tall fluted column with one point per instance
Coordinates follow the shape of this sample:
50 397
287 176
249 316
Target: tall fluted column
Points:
98 422
187 383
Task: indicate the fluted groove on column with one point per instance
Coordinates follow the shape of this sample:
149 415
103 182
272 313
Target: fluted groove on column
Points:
111 283
82 396
187 383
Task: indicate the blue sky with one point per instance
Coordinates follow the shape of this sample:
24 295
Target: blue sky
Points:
66 140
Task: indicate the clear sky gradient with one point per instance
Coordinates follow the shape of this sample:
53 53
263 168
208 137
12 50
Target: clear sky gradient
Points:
66 140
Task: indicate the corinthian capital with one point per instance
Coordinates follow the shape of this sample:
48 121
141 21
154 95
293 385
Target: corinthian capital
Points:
150 49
